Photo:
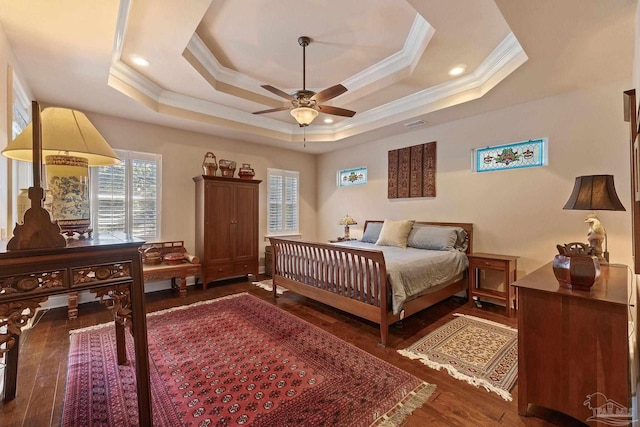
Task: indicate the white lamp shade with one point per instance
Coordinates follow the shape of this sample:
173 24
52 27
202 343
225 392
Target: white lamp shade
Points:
347 220
67 132
304 115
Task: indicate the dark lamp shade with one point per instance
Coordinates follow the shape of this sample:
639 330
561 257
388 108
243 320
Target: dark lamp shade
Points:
594 192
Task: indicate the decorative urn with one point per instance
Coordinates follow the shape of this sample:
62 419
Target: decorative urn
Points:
227 168
209 165
575 267
246 171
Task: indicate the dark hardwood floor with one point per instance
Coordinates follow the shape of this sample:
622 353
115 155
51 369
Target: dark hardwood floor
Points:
44 350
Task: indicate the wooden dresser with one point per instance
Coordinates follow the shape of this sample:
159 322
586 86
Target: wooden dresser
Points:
574 344
226 226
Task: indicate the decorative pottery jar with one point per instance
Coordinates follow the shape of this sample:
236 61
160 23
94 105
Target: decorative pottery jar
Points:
227 168
246 171
209 165
576 268
68 181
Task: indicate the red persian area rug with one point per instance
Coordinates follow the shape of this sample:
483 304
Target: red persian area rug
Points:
236 361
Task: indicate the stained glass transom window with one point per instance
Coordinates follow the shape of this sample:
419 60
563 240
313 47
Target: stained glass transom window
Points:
349 177
525 154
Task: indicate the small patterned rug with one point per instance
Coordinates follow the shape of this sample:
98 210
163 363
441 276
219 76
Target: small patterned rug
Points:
236 361
478 351
267 285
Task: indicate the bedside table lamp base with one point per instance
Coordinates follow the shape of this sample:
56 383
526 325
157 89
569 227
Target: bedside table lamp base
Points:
347 221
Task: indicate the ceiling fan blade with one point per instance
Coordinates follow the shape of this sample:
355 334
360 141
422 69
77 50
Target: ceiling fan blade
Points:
278 92
329 93
272 110
336 111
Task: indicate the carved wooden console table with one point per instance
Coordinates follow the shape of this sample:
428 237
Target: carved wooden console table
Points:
108 265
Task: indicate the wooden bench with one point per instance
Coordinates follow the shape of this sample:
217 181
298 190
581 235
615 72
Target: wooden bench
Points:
177 269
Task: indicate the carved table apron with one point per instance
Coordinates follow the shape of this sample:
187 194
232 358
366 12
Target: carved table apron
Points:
108 265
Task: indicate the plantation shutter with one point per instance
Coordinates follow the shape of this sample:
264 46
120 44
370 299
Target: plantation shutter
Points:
112 195
283 199
275 203
291 202
126 197
144 192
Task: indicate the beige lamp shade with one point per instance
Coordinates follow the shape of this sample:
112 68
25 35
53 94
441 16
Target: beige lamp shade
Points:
347 220
64 132
304 115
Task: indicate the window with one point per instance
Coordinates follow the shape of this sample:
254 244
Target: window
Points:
21 172
126 197
282 195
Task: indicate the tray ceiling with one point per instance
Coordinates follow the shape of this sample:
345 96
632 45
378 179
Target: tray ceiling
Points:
208 60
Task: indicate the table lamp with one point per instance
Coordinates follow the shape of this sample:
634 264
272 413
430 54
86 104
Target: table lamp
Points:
595 192
347 221
70 144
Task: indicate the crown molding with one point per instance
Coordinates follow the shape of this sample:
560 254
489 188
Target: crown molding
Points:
393 68
502 61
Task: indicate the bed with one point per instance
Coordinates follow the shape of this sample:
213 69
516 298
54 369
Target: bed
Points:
397 269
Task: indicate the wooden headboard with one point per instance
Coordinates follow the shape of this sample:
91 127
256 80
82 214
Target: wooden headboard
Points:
466 226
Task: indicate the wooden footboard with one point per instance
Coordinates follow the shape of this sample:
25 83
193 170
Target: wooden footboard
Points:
350 279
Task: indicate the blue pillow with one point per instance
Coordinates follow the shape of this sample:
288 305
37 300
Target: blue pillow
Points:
436 238
372 232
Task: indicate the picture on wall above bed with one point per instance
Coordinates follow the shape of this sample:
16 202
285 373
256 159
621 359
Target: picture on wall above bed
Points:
517 155
412 171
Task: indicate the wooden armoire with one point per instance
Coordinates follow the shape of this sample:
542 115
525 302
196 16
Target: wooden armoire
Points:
226 227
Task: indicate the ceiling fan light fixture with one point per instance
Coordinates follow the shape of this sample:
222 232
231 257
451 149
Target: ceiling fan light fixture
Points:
304 115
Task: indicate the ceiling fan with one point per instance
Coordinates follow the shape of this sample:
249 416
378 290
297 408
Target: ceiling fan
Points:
306 104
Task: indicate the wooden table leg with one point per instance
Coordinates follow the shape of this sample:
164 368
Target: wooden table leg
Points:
140 343
183 285
72 305
11 370
120 344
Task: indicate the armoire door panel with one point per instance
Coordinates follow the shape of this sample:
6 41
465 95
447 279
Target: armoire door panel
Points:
246 220
218 222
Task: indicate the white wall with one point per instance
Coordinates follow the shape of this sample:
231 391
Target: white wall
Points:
516 212
182 155
5 131
8 67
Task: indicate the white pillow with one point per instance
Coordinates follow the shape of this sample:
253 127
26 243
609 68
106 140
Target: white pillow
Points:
395 233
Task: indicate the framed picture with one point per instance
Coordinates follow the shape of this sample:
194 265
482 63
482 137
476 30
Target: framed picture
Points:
351 177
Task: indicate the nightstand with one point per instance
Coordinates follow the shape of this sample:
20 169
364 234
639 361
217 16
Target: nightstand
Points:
505 263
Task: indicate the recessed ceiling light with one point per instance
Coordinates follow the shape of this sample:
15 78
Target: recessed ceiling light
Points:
457 70
328 120
138 60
